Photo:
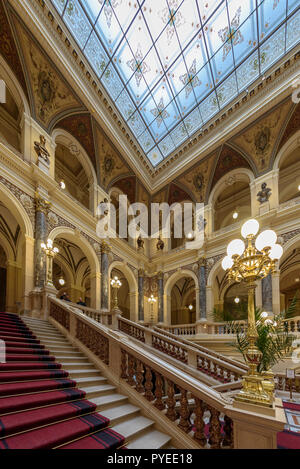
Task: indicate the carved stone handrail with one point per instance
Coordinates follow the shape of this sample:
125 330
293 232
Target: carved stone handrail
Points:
191 411
197 357
217 328
283 383
292 324
206 350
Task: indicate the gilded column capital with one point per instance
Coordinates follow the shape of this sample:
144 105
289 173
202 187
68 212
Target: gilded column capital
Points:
42 205
105 248
160 275
202 262
141 273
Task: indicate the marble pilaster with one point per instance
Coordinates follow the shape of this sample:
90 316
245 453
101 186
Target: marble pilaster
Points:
41 230
202 289
160 282
104 277
267 294
141 314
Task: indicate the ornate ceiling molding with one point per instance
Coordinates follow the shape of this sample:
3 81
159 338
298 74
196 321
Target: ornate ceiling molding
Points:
262 95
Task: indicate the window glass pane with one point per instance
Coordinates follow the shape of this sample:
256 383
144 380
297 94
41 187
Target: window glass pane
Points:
77 22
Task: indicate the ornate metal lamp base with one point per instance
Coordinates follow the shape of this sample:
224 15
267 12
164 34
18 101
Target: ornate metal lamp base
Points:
256 390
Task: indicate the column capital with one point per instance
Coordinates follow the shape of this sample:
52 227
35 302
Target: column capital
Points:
160 275
42 205
141 273
202 261
105 247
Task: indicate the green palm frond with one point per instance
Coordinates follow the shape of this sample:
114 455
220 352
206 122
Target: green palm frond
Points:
273 339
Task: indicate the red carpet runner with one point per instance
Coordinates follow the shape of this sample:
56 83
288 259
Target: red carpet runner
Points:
40 408
288 439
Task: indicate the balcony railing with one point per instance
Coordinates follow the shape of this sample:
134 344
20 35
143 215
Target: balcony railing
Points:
195 415
217 328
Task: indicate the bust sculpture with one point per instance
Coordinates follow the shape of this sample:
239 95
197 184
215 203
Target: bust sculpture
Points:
264 194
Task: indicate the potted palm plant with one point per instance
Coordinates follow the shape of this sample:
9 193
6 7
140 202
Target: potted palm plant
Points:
273 339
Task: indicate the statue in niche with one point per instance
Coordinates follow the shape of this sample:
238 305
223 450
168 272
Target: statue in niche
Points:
41 150
264 194
140 242
160 244
202 223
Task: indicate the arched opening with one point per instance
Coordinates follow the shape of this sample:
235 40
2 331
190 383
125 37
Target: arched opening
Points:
69 169
128 292
232 204
10 117
289 176
11 282
290 278
123 293
80 265
72 263
236 301
183 301
177 219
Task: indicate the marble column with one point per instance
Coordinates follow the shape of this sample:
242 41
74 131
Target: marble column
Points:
160 289
104 276
202 290
41 230
141 275
267 294
276 292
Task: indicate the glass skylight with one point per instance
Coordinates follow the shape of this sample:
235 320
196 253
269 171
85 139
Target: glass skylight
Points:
171 65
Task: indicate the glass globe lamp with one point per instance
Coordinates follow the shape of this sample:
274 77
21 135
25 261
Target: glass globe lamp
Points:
276 252
227 263
236 248
250 228
265 239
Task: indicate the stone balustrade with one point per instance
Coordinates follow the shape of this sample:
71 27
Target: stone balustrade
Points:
216 328
292 324
197 357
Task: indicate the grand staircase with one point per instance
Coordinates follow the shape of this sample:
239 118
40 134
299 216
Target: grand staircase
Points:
51 396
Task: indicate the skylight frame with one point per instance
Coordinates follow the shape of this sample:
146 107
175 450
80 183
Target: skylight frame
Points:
213 95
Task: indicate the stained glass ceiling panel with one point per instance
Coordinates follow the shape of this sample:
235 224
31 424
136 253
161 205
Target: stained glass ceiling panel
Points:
171 65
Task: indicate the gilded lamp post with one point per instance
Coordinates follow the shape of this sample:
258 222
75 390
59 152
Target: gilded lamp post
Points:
116 284
249 264
50 252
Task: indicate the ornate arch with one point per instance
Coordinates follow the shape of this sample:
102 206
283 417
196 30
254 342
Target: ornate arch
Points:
12 203
292 144
65 138
81 242
177 276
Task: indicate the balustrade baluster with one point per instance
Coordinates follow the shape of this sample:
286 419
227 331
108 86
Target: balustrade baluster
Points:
140 377
159 404
124 358
171 402
222 377
199 423
131 370
149 385
215 436
184 412
228 431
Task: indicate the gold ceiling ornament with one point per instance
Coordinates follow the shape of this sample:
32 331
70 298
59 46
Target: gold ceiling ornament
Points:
249 264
